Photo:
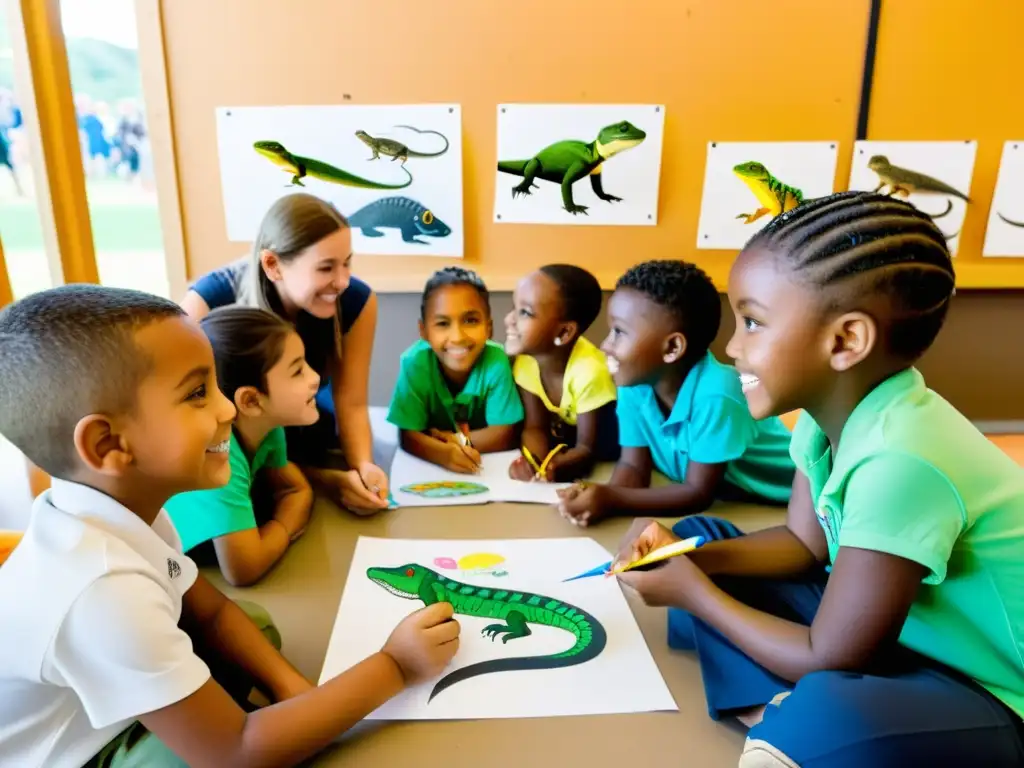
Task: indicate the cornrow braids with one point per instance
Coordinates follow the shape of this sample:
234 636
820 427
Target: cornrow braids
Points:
453 276
891 247
686 291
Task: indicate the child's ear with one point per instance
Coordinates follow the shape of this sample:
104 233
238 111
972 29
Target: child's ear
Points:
248 401
674 348
852 337
271 264
100 447
566 333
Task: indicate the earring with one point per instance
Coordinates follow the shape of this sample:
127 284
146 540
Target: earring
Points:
558 342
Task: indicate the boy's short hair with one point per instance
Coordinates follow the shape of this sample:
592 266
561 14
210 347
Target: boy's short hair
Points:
67 352
453 276
581 293
687 292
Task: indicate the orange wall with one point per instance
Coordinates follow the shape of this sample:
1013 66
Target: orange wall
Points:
725 70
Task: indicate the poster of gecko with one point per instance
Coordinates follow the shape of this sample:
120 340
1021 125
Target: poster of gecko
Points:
1005 233
531 644
394 171
746 184
934 176
578 163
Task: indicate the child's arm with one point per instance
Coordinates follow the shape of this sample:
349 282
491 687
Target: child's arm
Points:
534 437
498 437
209 729
578 460
444 453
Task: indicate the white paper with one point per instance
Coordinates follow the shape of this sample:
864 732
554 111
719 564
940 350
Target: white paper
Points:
809 166
251 182
407 469
951 162
622 678
632 174
1003 238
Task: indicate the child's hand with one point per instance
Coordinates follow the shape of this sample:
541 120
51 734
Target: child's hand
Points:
520 469
357 497
444 437
424 642
463 459
583 503
375 479
644 536
674 582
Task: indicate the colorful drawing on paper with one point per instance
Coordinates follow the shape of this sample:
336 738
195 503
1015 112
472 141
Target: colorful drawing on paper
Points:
549 150
933 176
517 611
355 157
774 196
476 564
444 488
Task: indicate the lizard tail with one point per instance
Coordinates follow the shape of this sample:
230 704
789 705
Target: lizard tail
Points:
515 167
1010 221
598 640
427 154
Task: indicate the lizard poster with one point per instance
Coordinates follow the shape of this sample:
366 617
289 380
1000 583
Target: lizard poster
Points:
530 645
1004 236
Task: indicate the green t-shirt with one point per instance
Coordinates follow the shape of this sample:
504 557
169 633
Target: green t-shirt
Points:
204 515
914 478
423 401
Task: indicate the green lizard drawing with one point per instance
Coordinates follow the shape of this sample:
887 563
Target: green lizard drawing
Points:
517 609
774 196
396 150
300 167
566 162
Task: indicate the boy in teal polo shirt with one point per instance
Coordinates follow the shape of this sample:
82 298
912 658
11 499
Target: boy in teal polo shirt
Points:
455 397
679 409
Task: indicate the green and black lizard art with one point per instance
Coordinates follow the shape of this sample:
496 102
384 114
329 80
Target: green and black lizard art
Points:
517 610
396 150
300 167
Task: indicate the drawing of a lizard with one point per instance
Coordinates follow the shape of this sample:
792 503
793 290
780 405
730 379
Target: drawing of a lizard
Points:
300 167
774 196
396 150
566 162
1010 221
904 181
408 216
517 609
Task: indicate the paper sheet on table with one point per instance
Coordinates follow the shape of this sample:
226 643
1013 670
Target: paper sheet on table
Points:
621 678
407 469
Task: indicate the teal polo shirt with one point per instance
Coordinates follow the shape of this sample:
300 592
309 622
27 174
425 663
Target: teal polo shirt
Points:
200 516
915 479
710 423
422 400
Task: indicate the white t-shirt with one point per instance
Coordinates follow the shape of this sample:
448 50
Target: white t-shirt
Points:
90 602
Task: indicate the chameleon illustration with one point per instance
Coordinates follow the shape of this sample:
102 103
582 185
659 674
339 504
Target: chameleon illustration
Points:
405 214
774 196
566 162
516 609
396 150
904 181
301 167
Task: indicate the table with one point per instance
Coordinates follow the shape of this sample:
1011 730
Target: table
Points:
302 594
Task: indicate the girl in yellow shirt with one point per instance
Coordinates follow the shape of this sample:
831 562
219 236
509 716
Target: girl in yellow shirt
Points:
563 379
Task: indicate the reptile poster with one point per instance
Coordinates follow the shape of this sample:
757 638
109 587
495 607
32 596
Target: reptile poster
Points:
395 171
746 184
935 176
530 645
1005 233
578 164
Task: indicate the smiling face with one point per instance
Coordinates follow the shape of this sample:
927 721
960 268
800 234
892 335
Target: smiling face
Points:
536 317
291 387
782 344
179 433
456 325
315 278
639 331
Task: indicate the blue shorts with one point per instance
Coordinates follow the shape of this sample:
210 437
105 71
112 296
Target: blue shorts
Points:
919 713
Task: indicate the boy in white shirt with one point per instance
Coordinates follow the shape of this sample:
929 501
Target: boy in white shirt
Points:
113 393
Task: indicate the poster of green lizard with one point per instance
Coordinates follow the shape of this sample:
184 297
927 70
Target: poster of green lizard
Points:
530 644
578 164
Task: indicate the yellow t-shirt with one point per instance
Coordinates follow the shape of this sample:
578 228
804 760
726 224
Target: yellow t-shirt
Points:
586 386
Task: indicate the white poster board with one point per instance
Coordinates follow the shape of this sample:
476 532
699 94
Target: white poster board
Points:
1005 233
613 672
808 166
408 470
421 215
557 146
948 162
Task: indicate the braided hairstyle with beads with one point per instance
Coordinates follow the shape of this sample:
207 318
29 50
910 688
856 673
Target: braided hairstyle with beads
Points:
853 244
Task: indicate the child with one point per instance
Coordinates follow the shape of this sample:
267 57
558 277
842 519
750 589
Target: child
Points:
566 389
455 397
97 668
679 409
262 369
909 652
